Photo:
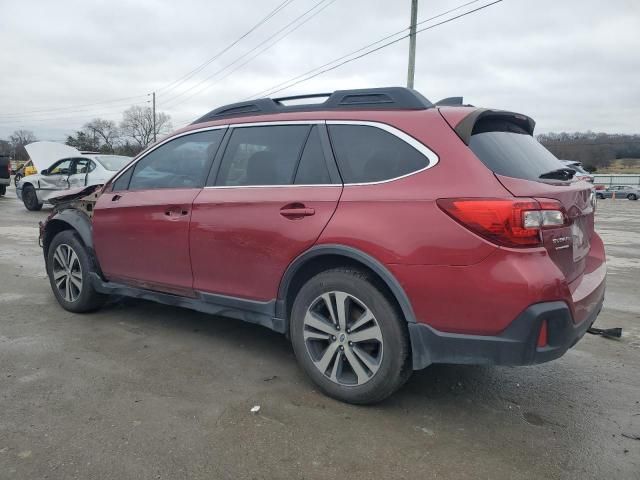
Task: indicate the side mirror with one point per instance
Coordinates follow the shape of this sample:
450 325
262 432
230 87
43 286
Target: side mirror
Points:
44 172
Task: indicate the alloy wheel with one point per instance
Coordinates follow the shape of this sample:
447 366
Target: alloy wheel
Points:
343 338
67 272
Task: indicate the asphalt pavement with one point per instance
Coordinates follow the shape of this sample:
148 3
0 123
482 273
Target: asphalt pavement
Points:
145 391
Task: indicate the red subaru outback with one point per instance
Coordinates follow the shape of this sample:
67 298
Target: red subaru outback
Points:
380 232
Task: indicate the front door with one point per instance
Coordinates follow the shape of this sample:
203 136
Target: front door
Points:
141 226
54 179
274 193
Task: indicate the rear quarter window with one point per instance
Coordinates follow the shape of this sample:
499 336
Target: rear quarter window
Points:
370 154
507 149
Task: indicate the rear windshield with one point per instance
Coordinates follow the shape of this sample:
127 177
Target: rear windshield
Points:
509 150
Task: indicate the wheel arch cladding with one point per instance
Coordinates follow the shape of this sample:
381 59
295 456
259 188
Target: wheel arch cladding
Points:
324 257
68 220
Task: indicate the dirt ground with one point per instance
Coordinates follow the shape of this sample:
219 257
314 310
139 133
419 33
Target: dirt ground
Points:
145 391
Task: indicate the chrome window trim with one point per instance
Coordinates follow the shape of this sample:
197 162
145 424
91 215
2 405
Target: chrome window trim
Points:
419 146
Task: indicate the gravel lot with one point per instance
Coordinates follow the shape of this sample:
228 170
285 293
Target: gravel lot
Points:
145 391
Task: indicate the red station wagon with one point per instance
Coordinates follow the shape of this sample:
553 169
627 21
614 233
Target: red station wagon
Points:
380 232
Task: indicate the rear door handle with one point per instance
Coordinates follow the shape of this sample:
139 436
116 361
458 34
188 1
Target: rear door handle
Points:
116 197
291 211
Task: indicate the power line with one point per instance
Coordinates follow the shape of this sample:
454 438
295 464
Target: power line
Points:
321 70
70 107
101 113
173 85
307 12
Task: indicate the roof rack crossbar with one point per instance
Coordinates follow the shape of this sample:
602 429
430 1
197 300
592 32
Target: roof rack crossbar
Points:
399 98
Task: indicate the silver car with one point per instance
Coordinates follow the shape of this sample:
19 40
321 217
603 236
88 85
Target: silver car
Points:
61 168
621 191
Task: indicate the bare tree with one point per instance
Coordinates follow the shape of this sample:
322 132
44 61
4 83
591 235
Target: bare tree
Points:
18 140
137 124
106 133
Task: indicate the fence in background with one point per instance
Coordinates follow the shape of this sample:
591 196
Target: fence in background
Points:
621 179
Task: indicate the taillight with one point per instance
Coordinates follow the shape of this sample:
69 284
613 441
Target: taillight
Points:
512 222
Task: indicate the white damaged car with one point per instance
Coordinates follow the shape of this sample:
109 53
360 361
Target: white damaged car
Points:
61 167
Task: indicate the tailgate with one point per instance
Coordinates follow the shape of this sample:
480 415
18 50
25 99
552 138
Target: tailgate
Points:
567 246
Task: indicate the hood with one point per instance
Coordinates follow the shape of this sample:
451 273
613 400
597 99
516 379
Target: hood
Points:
44 154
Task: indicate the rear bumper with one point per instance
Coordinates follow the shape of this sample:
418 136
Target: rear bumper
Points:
516 345
5 181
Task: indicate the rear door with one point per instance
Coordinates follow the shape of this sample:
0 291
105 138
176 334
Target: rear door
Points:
80 172
275 190
524 167
141 227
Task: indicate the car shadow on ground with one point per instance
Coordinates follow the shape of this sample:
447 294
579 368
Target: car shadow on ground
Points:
437 383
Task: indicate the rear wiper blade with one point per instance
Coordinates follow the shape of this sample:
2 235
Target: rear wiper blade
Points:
560 174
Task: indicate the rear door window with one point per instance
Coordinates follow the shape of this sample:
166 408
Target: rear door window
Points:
265 155
509 150
370 154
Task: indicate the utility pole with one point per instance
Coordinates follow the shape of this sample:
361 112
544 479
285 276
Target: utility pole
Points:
154 117
412 44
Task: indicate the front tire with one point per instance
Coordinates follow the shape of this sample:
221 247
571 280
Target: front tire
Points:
349 338
30 199
69 267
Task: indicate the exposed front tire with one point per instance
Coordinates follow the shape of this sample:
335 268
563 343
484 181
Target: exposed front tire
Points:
68 267
30 198
349 338
632 196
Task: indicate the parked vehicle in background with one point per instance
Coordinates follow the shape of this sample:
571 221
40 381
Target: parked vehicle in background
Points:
61 168
339 225
5 173
620 191
25 170
581 173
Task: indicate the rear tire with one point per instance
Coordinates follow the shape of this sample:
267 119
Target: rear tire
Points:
368 357
30 199
632 196
3 190
69 267
600 196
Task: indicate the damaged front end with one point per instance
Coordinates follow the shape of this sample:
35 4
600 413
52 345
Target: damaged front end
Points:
80 200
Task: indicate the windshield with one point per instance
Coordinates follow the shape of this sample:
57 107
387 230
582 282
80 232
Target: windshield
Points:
112 162
509 150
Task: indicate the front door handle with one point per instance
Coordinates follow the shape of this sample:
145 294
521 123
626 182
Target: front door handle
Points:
296 210
116 197
175 212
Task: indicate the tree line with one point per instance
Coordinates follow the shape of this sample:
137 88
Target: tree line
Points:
594 150
129 137
135 132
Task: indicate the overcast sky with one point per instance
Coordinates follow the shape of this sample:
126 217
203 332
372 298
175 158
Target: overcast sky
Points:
570 64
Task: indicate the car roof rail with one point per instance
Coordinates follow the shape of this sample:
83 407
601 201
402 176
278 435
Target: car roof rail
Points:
389 98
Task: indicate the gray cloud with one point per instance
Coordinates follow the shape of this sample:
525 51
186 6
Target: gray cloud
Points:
572 65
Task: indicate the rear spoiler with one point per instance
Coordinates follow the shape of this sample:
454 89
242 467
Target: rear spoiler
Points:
464 129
